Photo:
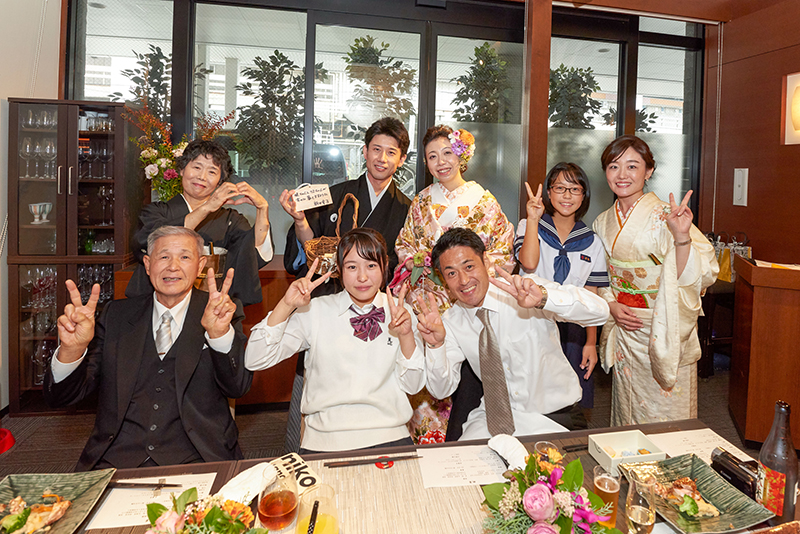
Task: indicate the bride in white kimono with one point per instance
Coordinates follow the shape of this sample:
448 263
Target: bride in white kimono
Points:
659 263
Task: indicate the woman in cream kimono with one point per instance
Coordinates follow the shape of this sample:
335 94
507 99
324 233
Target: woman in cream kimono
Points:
659 263
447 203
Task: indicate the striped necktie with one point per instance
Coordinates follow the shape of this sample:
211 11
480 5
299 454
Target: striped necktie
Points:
499 419
164 334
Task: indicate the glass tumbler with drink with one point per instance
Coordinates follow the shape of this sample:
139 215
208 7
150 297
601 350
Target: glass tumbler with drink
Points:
640 506
606 486
277 503
326 518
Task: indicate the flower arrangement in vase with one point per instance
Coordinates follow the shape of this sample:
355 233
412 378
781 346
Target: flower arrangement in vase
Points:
157 153
189 515
545 498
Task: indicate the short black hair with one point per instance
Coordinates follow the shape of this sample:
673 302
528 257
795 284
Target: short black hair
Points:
391 127
369 244
572 174
457 237
218 154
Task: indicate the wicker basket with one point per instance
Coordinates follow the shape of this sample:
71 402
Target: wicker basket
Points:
324 247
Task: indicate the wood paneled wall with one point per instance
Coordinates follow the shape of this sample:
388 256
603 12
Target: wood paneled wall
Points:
759 48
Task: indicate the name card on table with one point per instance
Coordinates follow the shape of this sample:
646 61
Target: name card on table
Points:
306 477
309 196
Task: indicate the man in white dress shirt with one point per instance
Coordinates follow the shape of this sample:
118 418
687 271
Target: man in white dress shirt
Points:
536 378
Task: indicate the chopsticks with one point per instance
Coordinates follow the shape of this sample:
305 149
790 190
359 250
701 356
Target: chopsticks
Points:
575 447
367 461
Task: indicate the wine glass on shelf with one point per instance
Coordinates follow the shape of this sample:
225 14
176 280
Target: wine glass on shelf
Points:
640 504
105 154
26 153
109 198
28 119
37 155
277 502
82 157
49 154
89 152
101 195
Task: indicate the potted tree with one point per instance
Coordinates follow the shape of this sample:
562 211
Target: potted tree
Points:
571 102
484 91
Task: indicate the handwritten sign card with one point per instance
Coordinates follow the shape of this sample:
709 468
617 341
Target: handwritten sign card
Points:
309 196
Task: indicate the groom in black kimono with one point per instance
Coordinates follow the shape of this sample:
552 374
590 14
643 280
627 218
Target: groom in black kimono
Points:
382 207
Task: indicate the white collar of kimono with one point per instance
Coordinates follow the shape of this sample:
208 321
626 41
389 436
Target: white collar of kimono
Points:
187 203
469 195
375 197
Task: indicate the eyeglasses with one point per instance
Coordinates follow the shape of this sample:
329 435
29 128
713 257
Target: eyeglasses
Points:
560 190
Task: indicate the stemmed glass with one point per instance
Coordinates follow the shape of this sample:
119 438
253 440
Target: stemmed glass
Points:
90 154
26 153
105 154
37 153
82 157
640 505
29 119
49 154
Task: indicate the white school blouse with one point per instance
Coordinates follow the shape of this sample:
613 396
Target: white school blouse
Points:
354 395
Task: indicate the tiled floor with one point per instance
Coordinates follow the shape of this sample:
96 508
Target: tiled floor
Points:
53 444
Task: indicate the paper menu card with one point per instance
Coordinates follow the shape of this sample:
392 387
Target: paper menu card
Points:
127 507
460 466
700 442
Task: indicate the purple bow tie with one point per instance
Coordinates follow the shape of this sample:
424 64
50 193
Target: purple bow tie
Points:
366 327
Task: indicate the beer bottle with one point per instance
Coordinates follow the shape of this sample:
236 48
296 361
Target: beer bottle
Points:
777 468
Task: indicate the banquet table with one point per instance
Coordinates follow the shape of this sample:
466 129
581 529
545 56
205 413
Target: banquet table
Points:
372 500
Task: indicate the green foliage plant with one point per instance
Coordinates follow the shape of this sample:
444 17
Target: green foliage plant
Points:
484 91
571 102
384 83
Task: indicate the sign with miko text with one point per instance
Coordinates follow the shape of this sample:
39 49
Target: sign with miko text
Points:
309 196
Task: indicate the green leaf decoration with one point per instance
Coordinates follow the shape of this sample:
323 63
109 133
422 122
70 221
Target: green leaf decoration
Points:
689 505
531 470
264 531
185 498
416 272
493 494
564 523
434 277
154 511
212 516
596 501
15 522
572 479
522 481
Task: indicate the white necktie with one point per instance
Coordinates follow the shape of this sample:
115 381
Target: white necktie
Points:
164 334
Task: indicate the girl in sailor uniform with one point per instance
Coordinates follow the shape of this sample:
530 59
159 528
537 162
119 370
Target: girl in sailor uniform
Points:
553 242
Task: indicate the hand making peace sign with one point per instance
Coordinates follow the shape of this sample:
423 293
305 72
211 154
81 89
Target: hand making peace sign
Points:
220 308
534 208
400 324
430 324
525 290
679 221
299 293
76 326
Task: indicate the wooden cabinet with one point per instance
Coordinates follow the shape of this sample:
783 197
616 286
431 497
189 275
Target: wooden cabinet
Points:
764 365
72 186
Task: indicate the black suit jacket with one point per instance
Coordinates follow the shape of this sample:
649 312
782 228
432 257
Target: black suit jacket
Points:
204 378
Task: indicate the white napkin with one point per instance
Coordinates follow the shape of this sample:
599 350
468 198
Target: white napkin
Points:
510 449
245 486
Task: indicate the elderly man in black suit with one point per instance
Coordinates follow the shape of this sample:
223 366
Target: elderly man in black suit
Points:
164 364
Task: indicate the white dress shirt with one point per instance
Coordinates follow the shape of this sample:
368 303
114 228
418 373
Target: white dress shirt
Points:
354 394
540 380
265 250
221 344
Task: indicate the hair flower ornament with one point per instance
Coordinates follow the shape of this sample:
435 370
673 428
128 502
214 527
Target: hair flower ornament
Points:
463 144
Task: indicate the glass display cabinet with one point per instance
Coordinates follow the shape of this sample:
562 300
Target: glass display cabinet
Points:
73 192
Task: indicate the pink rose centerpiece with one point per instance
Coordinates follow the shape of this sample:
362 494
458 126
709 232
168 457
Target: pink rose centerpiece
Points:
545 498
